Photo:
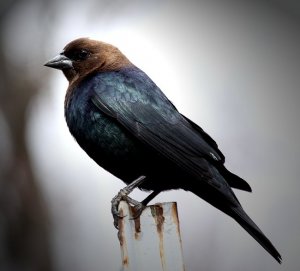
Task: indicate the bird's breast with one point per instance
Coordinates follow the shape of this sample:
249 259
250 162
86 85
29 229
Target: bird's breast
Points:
102 138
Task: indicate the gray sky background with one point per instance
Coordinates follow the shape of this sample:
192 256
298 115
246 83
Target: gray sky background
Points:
233 67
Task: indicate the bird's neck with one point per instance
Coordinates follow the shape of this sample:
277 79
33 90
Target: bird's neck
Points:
70 74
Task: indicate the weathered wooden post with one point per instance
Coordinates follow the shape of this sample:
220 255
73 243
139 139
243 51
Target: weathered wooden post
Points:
151 242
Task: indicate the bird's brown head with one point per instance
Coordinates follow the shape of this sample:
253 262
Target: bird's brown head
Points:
84 56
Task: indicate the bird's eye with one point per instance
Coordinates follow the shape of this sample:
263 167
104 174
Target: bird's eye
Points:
82 54
78 55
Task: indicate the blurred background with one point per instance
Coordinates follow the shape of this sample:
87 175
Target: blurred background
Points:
232 66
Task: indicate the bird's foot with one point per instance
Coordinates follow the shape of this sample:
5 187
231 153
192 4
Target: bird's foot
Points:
138 209
138 206
123 195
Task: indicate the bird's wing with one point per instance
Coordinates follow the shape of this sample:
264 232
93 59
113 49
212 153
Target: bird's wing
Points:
232 179
139 105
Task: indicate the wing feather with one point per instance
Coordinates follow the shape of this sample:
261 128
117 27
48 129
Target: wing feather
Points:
140 106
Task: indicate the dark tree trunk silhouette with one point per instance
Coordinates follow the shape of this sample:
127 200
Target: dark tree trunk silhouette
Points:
24 235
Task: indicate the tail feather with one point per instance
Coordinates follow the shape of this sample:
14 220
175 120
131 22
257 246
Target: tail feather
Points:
234 180
246 222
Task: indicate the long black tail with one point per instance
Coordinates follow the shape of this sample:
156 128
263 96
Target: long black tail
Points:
246 222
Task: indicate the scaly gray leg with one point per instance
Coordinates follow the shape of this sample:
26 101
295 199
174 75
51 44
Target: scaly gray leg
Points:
123 195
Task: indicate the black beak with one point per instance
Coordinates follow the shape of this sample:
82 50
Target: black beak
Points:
60 62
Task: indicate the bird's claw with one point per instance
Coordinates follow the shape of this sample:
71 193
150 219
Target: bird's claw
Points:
114 207
123 195
138 209
116 218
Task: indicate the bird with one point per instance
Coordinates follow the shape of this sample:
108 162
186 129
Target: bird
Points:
128 126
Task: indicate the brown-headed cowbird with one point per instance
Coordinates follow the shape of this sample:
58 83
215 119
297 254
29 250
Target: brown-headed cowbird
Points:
128 126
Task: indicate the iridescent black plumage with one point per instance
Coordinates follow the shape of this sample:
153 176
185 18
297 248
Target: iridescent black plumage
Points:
129 127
